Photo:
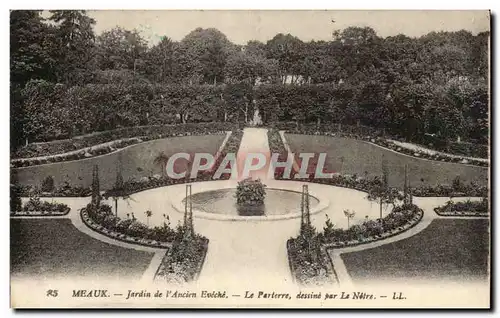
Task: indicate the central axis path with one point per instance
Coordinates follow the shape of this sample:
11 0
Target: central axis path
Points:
249 253
254 141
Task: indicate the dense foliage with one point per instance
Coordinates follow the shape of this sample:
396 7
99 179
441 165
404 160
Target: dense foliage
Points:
67 81
103 215
469 207
400 216
250 192
35 206
309 262
183 261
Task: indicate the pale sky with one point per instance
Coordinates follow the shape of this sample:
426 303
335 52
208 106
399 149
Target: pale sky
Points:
242 26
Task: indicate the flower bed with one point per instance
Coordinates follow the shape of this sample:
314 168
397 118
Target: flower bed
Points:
467 208
376 137
183 261
309 261
107 142
307 271
128 230
401 219
469 190
250 192
65 191
35 207
97 150
184 257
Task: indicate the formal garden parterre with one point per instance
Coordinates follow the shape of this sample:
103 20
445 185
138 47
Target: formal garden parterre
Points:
397 118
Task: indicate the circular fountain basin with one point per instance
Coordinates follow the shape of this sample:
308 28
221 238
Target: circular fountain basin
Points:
216 200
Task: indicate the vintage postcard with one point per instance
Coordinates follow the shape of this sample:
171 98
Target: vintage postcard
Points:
250 159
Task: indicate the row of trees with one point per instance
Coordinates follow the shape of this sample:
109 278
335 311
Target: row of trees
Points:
56 111
395 81
64 48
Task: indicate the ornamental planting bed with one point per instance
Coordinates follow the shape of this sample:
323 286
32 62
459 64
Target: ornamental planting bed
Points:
318 269
35 207
411 221
63 212
144 132
462 152
120 236
467 208
307 273
183 262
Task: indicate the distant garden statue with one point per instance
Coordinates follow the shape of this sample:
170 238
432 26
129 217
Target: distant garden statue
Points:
250 192
257 119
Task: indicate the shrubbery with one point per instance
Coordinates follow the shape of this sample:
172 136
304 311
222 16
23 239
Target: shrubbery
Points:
309 262
250 192
104 217
468 207
183 262
184 257
35 206
399 217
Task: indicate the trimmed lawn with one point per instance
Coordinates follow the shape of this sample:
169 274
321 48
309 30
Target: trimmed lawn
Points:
454 249
358 156
136 161
54 248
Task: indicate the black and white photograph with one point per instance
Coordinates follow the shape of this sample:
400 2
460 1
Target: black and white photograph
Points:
250 159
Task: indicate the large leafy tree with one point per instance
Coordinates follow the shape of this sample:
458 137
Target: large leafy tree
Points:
75 39
121 49
207 51
288 50
160 60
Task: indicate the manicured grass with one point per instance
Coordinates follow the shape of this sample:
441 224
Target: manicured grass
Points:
54 248
455 250
137 161
358 156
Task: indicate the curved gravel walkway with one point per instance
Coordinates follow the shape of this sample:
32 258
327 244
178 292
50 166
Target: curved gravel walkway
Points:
251 253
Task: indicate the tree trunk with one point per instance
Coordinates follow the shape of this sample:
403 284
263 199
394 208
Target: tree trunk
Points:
381 208
246 112
116 207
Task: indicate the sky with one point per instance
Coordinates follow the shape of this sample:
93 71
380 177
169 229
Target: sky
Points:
242 26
